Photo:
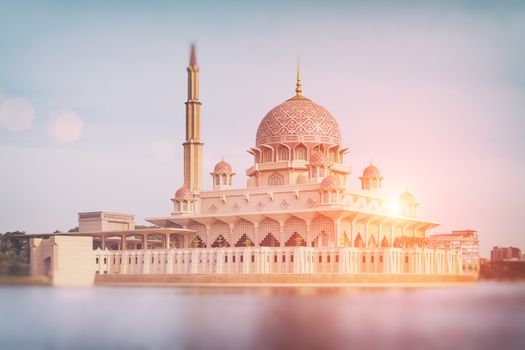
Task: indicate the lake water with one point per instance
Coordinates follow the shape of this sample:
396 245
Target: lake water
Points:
482 316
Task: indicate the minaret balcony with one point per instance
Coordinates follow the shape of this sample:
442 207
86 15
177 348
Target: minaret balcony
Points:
279 165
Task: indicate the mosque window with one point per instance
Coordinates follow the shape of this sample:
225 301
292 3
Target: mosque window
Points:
284 258
284 154
233 259
300 153
217 180
105 260
152 260
333 155
253 258
337 258
406 259
242 258
275 258
276 180
372 259
381 259
267 155
96 260
226 259
320 259
291 258
364 259
328 259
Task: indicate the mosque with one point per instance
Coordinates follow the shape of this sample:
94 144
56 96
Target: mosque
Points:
297 214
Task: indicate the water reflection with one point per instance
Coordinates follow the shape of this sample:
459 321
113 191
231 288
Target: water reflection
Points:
482 316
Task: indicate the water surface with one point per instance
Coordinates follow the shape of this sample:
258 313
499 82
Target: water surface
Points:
483 316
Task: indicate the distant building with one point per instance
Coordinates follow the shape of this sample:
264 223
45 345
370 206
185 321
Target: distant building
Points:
466 240
505 253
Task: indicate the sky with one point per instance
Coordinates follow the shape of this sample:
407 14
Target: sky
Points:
92 101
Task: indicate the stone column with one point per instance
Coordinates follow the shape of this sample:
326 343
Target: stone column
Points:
144 241
337 229
281 235
256 234
102 242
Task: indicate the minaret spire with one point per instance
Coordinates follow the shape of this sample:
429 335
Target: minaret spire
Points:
193 56
193 145
298 86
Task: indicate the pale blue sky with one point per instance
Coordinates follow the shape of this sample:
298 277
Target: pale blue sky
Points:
433 93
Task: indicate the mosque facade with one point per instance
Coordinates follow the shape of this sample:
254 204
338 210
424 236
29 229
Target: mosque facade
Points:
296 215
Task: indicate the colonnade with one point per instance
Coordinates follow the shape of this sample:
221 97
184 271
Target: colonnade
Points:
279 260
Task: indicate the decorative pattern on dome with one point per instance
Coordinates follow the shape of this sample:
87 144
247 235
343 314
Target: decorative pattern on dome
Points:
223 168
183 193
331 182
371 171
298 119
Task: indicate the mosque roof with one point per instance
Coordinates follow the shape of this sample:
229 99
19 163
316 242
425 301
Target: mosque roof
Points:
223 168
183 193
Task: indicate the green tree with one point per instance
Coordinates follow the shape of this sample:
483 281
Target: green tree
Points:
14 254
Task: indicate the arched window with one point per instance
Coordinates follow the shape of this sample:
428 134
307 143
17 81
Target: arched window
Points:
267 155
276 180
333 155
284 154
300 152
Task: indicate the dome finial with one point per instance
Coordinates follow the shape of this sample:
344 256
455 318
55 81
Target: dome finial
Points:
298 86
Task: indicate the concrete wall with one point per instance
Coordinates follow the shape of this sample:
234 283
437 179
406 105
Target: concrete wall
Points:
67 260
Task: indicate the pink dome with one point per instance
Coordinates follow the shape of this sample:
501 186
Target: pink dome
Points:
407 198
371 171
331 182
298 119
223 168
183 193
318 158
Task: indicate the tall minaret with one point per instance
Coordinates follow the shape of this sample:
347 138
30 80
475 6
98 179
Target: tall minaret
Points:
193 144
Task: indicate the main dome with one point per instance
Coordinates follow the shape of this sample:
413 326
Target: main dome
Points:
298 119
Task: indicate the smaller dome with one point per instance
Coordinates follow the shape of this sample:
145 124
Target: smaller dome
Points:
223 168
371 171
318 157
183 193
407 198
331 182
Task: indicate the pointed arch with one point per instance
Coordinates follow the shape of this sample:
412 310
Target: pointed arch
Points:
323 231
372 243
295 240
245 241
269 228
267 154
294 225
243 227
283 152
384 242
359 243
300 152
200 230
219 228
270 241
276 179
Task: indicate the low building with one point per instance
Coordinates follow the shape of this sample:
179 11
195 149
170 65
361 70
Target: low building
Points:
505 253
465 240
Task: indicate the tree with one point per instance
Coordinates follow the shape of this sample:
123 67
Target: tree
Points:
14 254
